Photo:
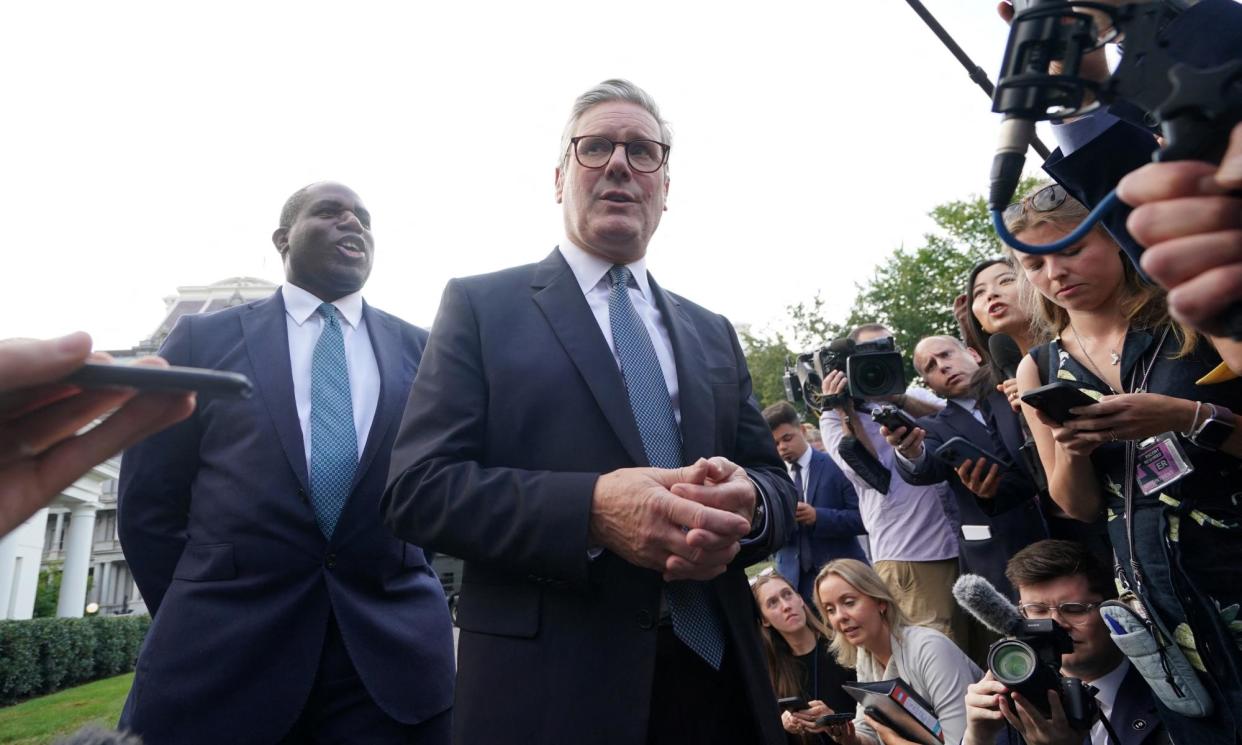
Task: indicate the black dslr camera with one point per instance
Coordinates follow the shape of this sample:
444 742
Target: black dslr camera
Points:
873 369
1029 662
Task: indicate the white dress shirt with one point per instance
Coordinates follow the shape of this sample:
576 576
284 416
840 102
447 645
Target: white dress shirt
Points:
305 325
592 274
805 462
1107 688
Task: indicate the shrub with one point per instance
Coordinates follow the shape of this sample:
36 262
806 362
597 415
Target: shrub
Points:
42 655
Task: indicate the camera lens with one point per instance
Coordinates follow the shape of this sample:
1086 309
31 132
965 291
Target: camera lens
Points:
874 377
1012 661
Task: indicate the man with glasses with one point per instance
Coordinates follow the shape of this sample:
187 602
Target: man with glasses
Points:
587 441
1065 581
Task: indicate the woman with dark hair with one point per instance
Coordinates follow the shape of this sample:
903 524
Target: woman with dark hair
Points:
795 643
1159 452
992 305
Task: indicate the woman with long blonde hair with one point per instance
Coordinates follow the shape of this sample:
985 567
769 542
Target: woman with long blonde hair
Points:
872 635
1159 453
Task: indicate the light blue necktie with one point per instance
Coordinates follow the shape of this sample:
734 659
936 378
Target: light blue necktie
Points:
334 443
694 623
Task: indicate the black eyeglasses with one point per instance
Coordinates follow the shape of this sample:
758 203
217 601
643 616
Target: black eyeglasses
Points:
644 156
1046 199
1072 612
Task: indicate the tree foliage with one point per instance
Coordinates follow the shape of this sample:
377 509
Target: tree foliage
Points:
911 292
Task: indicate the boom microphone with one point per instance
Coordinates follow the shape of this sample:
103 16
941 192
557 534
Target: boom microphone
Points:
1005 354
986 604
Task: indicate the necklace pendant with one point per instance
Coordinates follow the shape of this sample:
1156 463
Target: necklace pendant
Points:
1114 358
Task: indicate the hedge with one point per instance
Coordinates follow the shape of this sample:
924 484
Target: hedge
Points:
42 655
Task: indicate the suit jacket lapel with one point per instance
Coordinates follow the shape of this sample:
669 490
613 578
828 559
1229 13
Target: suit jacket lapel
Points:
1007 424
267 343
562 303
816 475
395 360
966 424
694 390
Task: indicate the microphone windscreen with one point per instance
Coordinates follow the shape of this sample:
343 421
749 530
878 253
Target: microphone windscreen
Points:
983 601
1005 354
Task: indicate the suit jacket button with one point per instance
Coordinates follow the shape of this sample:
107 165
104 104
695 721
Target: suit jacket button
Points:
330 561
645 620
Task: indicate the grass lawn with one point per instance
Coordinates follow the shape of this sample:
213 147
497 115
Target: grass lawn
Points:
41 720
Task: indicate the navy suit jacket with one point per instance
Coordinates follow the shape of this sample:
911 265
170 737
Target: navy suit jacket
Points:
518 408
838 523
1012 516
223 544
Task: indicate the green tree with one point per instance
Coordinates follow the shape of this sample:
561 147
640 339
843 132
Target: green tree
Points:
911 292
47 593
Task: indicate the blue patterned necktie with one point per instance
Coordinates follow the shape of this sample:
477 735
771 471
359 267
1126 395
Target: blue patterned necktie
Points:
694 623
334 443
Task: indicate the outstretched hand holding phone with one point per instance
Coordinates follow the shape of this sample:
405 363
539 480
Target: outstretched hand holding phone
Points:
44 441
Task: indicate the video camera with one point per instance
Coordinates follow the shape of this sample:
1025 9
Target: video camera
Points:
1028 659
873 369
1029 662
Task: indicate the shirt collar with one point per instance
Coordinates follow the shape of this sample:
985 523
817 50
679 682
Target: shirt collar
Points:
967 403
1108 685
590 269
301 305
805 460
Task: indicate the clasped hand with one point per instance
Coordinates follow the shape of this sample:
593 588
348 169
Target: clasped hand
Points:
686 523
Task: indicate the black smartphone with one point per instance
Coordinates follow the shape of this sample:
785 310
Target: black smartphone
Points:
211 382
1056 399
958 450
893 418
830 719
793 703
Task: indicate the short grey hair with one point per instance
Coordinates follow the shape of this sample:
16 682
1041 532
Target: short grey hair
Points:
615 89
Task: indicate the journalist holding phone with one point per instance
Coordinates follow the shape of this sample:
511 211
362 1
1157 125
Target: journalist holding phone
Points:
974 444
1159 450
872 635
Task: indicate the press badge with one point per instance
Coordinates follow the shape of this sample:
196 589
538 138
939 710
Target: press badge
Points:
1161 461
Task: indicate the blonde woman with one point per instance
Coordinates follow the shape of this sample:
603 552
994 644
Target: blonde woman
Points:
873 636
1116 342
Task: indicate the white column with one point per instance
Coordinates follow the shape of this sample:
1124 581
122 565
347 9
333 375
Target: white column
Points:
78 544
8 571
57 533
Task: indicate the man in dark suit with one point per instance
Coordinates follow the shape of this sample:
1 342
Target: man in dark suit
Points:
604 598
1065 581
998 502
282 610
827 520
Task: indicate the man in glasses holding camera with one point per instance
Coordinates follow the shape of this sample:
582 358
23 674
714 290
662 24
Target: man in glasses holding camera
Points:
1066 582
587 442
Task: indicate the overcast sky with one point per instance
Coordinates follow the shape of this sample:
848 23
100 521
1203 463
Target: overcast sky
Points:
150 145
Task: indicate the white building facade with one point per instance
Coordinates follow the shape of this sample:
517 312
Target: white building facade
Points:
77 533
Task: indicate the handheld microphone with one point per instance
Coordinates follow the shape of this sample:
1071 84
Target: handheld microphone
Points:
983 601
1005 354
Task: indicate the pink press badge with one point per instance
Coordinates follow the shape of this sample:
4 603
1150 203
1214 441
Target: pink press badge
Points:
1161 461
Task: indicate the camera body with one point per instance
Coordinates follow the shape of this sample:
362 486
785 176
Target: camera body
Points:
873 370
1029 662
